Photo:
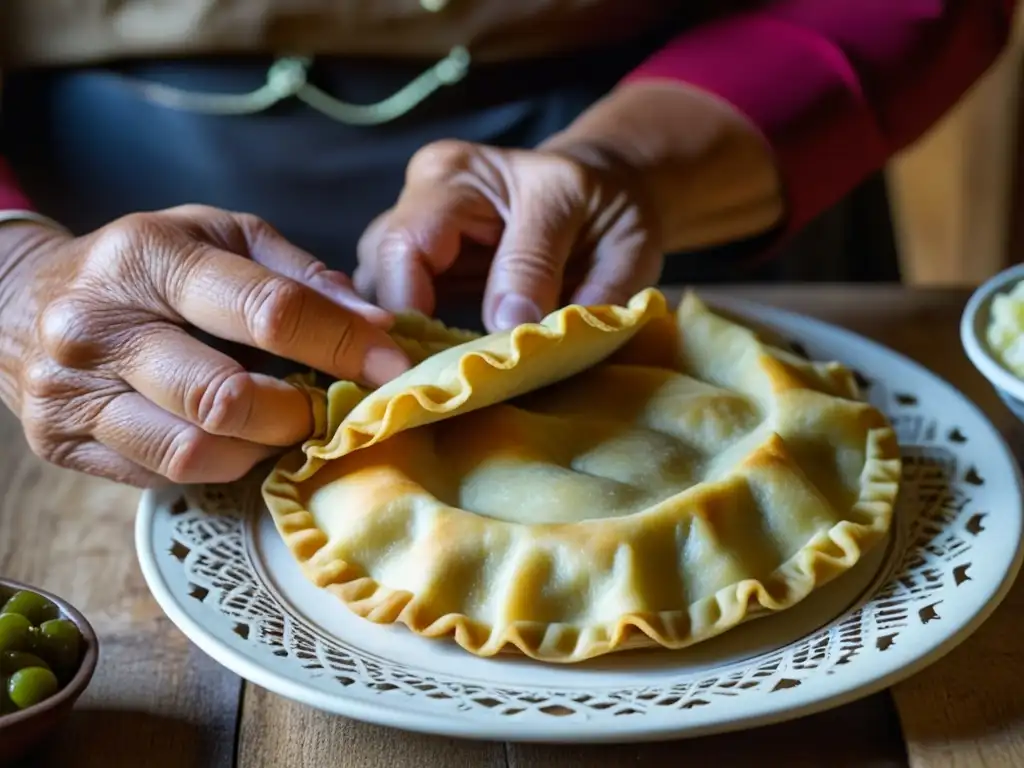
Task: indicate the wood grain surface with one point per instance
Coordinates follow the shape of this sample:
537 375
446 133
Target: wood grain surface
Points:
158 701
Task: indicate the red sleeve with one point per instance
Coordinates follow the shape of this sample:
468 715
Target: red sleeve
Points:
11 196
838 86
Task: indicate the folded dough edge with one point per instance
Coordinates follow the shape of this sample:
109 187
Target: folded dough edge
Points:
464 372
346 423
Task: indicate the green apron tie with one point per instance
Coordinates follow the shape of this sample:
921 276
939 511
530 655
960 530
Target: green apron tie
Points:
287 78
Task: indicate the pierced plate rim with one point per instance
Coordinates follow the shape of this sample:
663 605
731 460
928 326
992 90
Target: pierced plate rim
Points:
851 682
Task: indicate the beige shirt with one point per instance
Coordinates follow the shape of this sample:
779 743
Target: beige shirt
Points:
68 32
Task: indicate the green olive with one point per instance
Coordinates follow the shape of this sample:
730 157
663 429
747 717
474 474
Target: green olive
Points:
12 661
31 685
59 642
6 705
61 631
33 607
15 632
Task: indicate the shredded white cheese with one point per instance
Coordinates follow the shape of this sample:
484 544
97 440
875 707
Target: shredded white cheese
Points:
1006 328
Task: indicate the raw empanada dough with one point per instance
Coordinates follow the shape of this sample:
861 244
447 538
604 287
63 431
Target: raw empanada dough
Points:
611 478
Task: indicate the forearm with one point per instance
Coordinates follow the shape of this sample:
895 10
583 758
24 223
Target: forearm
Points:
19 238
708 175
833 87
16 235
21 229
17 241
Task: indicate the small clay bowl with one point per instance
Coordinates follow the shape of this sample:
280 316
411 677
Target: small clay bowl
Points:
21 731
973 327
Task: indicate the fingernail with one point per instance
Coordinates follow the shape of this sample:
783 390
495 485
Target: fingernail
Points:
374 315
401 292
362 281
335 279
339 286
382 364
514 310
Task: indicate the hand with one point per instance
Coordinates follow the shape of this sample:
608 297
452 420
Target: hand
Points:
97 359
652 168
570 223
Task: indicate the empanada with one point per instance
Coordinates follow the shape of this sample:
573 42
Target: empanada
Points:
611 478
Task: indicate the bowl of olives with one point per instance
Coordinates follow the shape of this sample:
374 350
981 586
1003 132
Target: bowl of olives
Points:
48 653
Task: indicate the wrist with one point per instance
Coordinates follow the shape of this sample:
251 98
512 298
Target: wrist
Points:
705 170
20 230
19 238
21 242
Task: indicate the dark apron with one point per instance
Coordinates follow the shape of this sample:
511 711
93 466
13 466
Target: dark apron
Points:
88 148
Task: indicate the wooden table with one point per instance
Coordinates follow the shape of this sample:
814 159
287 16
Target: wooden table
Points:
158 701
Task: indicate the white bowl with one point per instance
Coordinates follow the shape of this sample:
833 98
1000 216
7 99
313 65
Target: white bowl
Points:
973 327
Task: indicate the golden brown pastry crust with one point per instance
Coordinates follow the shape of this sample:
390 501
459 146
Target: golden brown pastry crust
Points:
636 478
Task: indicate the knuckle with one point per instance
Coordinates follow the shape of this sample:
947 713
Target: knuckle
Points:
185 209
439 159
574 175
396 247
58 404
345 346
316 269
42 380
71 331
526 263
224 404
116 250
566 172
250 222
121 236
246 230
183 456
273 310
45 442
194 211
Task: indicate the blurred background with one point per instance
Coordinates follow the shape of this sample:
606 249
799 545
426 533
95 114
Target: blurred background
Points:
956 197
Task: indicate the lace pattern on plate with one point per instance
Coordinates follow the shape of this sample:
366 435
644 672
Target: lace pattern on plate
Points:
939 527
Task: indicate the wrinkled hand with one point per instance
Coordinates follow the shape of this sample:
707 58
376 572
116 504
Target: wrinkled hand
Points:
97 359
550 218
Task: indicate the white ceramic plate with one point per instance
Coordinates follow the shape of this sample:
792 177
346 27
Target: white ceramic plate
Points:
216 565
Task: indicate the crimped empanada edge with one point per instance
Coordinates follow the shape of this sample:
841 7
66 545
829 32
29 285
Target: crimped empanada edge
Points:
825 557
344 436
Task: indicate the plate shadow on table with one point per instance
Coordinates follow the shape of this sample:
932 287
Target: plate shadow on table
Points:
112 738
864 733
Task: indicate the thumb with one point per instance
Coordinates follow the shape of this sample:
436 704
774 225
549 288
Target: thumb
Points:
525 281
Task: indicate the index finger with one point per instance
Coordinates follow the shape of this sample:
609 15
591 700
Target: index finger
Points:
239 300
